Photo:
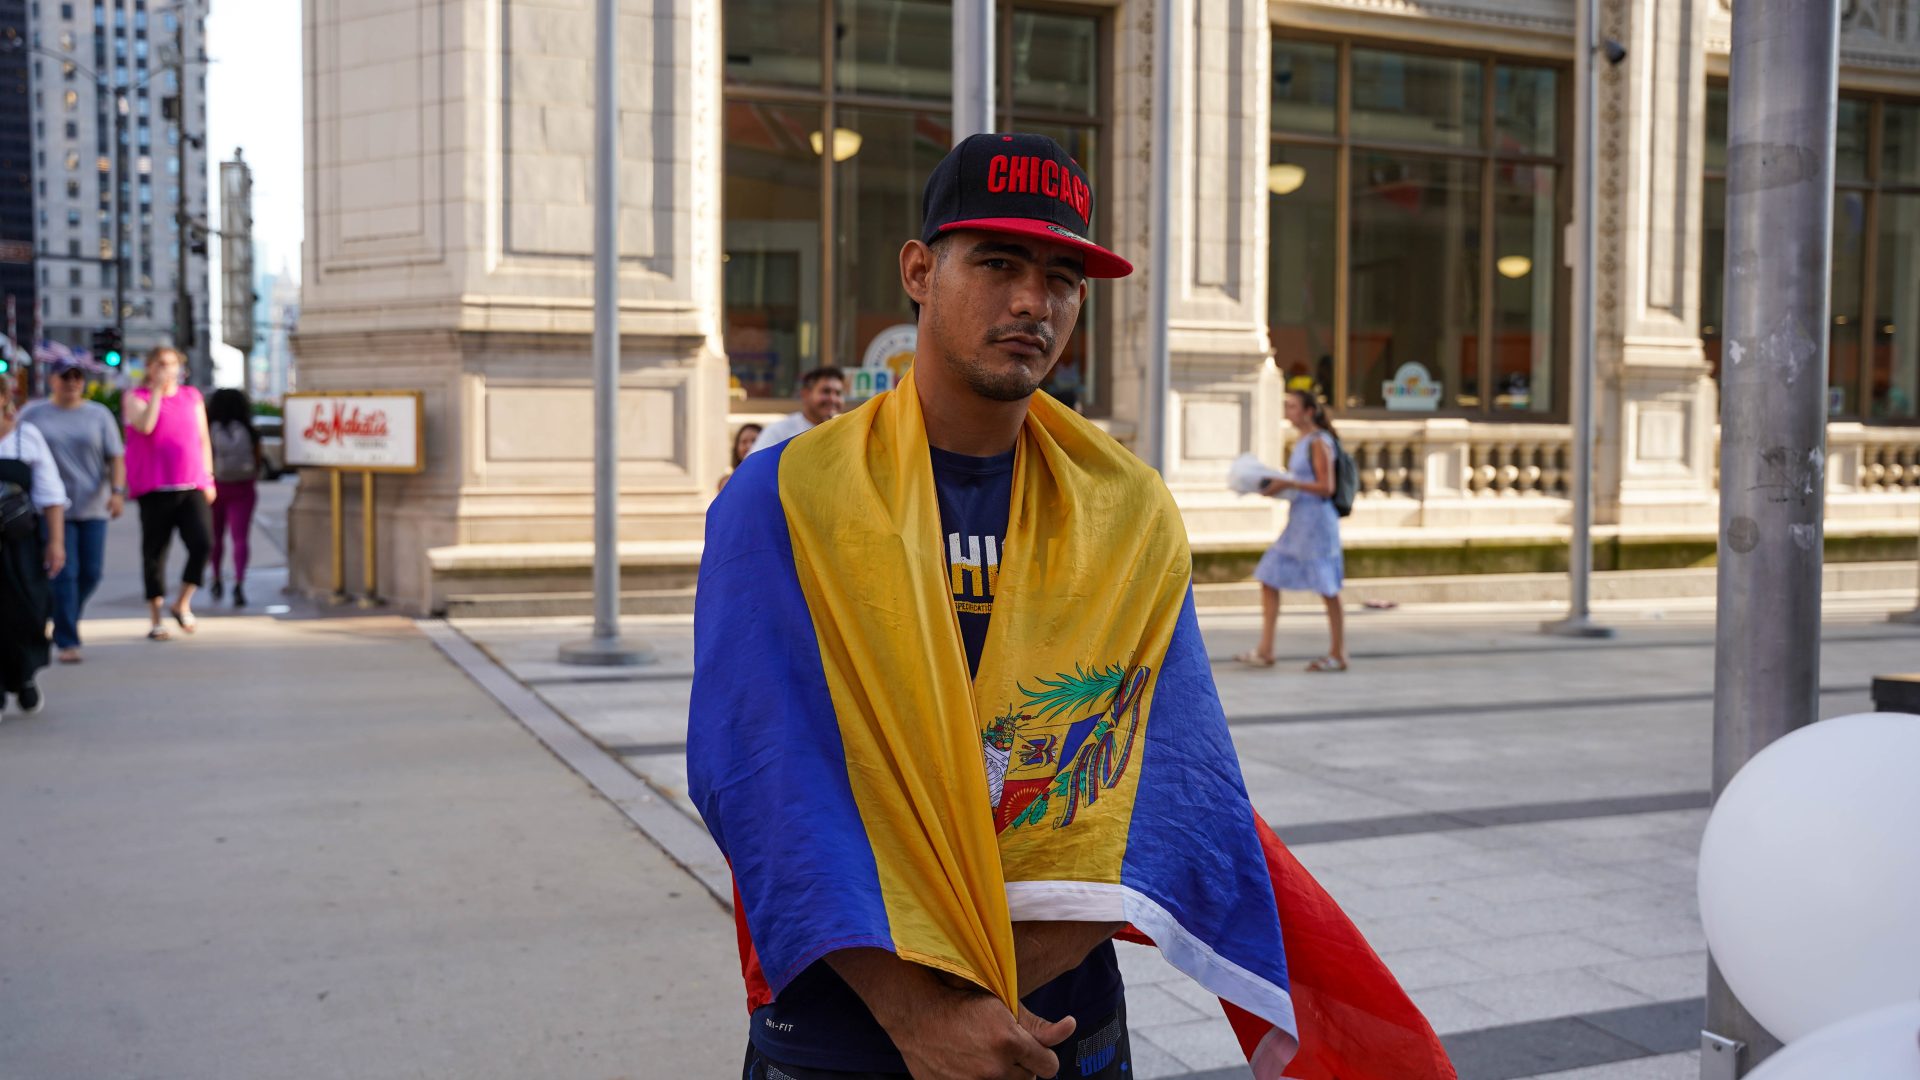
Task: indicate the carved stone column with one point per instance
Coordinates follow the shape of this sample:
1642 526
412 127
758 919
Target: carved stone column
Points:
449 249
1225 396
1655 404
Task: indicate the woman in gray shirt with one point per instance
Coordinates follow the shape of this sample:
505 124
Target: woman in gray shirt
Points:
85 439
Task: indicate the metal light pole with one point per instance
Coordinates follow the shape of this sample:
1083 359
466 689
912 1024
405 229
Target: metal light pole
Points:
973 68
1579 622
1910 618
1780 142
1159 381
605 649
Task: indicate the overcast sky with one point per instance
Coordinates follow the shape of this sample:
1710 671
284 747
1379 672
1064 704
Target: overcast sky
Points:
253 102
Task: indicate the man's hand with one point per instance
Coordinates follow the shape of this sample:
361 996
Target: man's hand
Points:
947 1031
968 1035
116 505
56 557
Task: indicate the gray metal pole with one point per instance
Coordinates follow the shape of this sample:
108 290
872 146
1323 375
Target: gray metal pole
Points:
1780 138
1910 618
1159 381
973 67
605 647
1579 621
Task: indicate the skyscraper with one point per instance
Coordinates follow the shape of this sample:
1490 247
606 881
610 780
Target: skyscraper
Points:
16 175
109 233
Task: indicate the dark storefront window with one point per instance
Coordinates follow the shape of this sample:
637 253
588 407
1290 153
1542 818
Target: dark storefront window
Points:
826 158
1873 333
1417 207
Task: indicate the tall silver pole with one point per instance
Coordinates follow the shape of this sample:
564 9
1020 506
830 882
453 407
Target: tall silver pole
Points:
1159 382
1579 621
1911 618
605 647
1780 137
973 52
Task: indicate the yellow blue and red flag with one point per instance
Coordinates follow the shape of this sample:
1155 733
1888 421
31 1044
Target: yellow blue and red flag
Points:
869 793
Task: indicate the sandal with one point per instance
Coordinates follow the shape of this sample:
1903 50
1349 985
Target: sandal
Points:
1254 659
70 656
159 633
1327 665
188 624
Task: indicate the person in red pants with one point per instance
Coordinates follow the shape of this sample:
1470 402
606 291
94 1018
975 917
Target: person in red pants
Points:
236 467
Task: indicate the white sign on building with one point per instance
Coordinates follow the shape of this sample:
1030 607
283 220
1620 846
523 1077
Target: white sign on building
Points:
363 432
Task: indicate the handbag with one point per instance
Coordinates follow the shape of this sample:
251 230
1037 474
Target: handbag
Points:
19 518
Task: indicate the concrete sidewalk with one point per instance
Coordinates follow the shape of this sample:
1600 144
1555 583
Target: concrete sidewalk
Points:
1511 819
311 847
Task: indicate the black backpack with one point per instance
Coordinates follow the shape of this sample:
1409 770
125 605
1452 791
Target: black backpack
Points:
1346 480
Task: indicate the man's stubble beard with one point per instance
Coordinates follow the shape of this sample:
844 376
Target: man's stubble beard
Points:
1014 384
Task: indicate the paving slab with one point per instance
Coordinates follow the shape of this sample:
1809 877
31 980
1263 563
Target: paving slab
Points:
312 848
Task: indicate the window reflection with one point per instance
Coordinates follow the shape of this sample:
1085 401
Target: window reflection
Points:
1404 97
772 246
901 48
1526 110
876 210
1306 86
774 42
1415 280
1301 189
1526 255
1056 62
1896 334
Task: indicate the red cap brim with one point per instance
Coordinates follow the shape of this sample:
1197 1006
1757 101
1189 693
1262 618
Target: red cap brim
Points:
1101 263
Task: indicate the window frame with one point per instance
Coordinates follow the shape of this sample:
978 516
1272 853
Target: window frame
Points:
829 99
1872 188
1343 144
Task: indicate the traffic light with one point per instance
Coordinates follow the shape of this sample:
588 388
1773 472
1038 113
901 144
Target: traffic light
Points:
6 366
106 346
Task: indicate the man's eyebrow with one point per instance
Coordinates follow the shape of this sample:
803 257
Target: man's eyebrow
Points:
1001 247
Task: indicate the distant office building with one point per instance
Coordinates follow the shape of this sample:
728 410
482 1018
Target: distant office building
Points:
17 297
87 58
276 315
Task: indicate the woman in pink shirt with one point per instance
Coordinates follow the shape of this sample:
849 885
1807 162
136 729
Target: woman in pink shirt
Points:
170 472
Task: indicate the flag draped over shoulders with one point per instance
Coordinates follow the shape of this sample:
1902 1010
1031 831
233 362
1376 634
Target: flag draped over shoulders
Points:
869 793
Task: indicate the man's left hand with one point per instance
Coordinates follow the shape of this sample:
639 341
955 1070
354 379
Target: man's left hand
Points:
116 505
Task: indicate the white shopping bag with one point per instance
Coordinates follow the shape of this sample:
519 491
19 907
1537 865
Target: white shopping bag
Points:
1246 474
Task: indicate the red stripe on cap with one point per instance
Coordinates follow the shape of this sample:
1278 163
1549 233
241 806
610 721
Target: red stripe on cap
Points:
1101 263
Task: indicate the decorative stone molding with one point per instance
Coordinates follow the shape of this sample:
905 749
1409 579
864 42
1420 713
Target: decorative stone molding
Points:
1541 16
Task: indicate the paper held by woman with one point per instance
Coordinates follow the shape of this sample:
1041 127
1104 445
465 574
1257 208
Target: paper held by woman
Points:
1246 474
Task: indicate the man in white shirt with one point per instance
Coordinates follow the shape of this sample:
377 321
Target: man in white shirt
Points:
822 392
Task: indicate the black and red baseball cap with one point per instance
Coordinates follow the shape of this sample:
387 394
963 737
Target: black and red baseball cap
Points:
1023 185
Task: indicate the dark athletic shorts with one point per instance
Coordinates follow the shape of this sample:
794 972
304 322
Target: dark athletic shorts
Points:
1101 1054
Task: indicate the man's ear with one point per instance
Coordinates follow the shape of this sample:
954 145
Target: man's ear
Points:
916 271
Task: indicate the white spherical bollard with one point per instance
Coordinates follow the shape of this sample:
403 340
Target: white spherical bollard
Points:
1881 1045
1810 874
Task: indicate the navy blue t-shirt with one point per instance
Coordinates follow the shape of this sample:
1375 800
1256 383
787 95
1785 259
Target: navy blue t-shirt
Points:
819 1022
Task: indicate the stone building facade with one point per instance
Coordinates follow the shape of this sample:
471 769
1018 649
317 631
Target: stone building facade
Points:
1371 199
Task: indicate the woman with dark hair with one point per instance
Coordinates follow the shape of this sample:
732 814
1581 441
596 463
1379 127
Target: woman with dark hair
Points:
742 446
1307 556
236 467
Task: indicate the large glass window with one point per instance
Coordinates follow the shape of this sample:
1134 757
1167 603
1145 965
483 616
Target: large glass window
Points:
1417 208
1873 369
826 157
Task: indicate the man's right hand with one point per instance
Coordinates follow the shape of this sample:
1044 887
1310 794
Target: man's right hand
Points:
968 1035
948 1032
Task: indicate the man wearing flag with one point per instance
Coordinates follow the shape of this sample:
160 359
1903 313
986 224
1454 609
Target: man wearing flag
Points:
953 724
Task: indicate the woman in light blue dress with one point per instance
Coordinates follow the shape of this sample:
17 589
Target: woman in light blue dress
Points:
1307 556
